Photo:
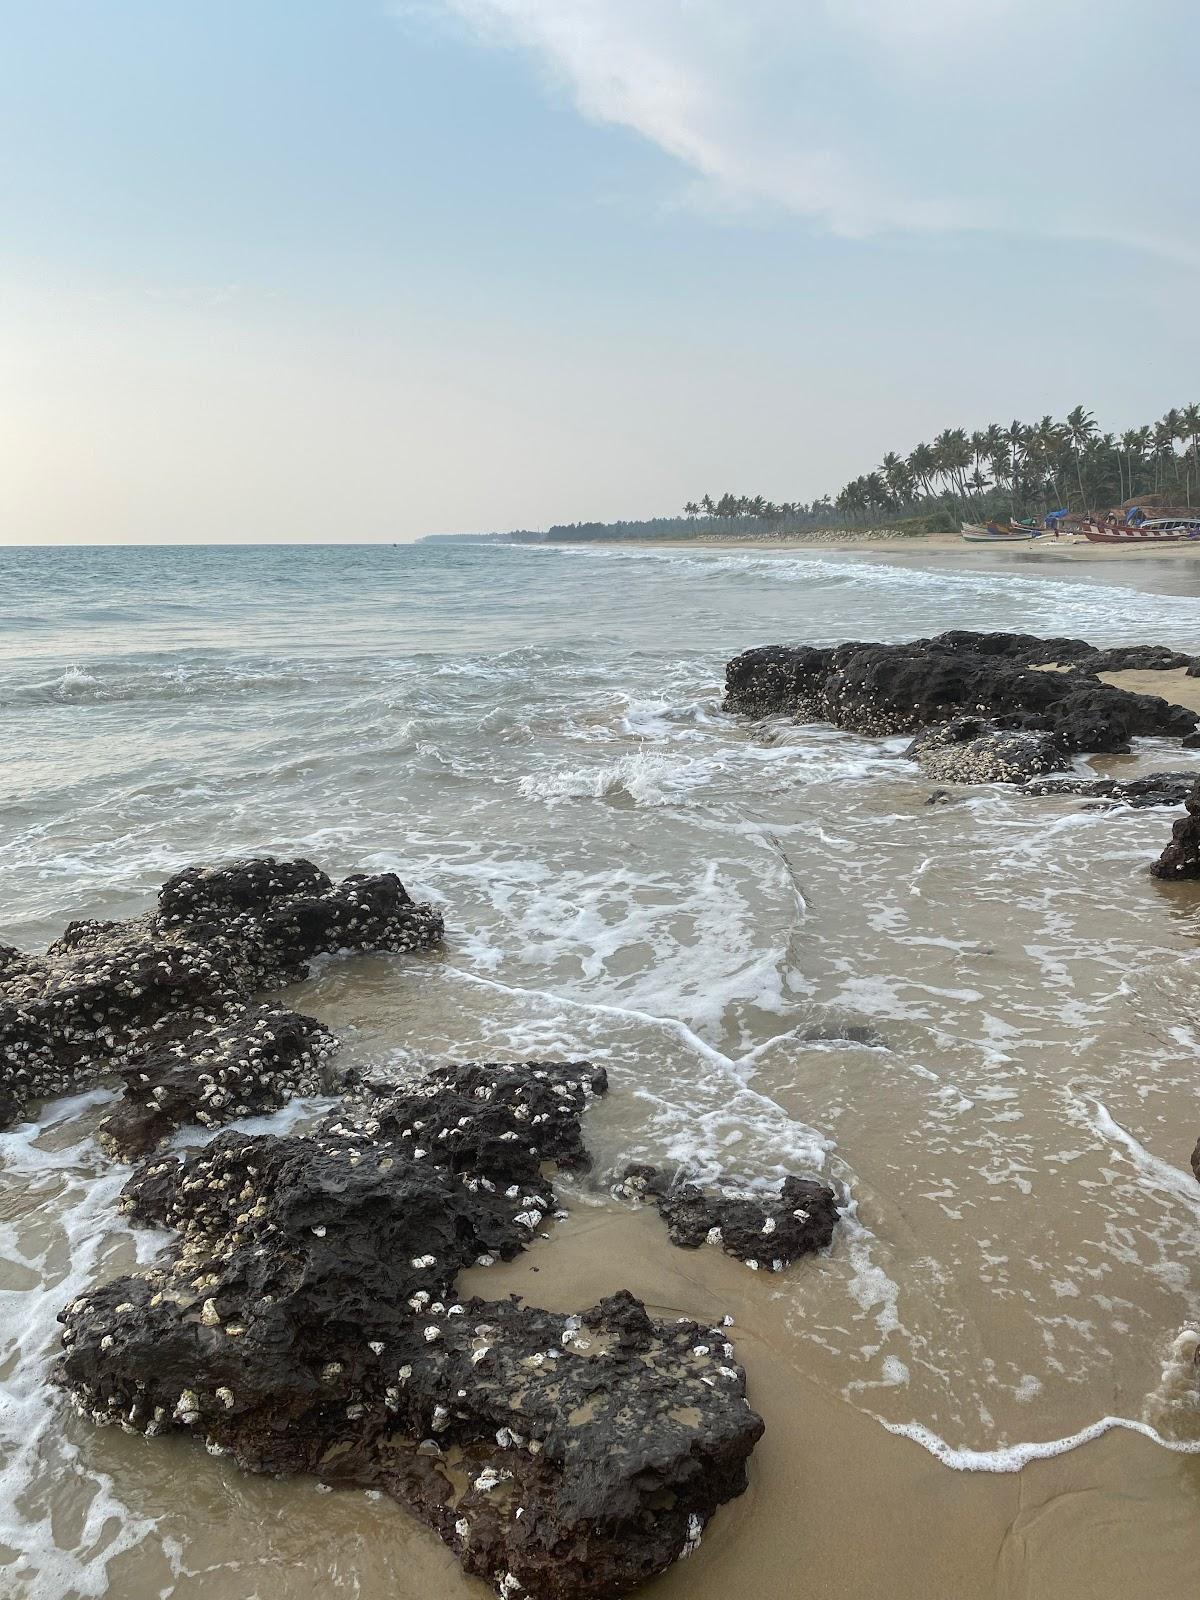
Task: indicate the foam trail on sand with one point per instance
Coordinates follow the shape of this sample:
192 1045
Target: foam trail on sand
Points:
1154 1171
804 1144
1012 1457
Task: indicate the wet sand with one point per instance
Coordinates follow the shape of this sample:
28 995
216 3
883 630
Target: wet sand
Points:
838 1507
1173 685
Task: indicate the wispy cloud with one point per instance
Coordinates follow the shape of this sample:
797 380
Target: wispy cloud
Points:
870 115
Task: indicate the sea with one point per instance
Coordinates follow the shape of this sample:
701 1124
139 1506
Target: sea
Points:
978 1020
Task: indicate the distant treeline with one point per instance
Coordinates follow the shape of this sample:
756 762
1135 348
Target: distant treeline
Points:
685 527
1022 469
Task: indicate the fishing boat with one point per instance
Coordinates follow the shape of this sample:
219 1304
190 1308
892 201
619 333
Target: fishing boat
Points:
977 533
1174 530
1190 525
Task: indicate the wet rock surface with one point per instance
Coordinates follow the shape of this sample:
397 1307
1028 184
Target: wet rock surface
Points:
1154 789
250 1062
1181 858
969 750
766 1232
305 1321
109 995
885 689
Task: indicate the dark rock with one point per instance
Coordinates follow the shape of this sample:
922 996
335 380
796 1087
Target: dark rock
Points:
763 1232
105 993
1181 858
305 1322
254 1060
1142 658
1155 789
902 688
271 917
968 750
943 797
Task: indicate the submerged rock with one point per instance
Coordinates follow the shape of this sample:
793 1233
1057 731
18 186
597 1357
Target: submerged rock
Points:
1155 789
305 1321
1181 858
764 1232
901 688
968 750
107 994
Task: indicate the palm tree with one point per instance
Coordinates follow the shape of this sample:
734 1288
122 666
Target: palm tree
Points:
1081 429
897 477
979 482
1163 439
954 457
922 463
1189 422
1051 441
1014 443
959 469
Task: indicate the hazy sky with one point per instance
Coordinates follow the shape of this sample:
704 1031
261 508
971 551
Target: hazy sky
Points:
345 269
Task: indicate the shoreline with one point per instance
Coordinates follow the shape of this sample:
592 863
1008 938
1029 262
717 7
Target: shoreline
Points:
940 544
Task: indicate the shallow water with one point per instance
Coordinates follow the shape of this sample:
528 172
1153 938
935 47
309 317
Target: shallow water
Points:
976 1019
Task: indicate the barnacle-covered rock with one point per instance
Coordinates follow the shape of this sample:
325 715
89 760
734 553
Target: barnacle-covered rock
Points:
1154 789
902 688
272 917
252 1061
970 750
306 1321
765 1231
106 993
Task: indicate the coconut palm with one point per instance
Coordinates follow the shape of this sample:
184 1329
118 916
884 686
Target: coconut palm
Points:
1028 462
1081 430
898 478
922 463
1189 422
1162 439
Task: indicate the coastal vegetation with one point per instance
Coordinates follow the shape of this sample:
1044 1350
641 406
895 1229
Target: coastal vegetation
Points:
1017 469
1020 469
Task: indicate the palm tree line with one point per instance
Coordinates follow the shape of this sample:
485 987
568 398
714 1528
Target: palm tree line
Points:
1022 469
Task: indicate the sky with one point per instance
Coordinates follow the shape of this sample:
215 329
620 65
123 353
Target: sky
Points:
278 270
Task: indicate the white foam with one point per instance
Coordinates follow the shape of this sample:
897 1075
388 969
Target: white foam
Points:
34 1432
1012 1457
1155 1172
647 780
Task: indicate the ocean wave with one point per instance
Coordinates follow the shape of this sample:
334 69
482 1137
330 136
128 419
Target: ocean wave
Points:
645 780
1107 612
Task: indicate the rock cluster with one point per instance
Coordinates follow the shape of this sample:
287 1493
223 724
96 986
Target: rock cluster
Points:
902 688
969 750
1155 789
1181 858
169 992
765 1233
305 1321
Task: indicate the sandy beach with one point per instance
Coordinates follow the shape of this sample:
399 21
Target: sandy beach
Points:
941 545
